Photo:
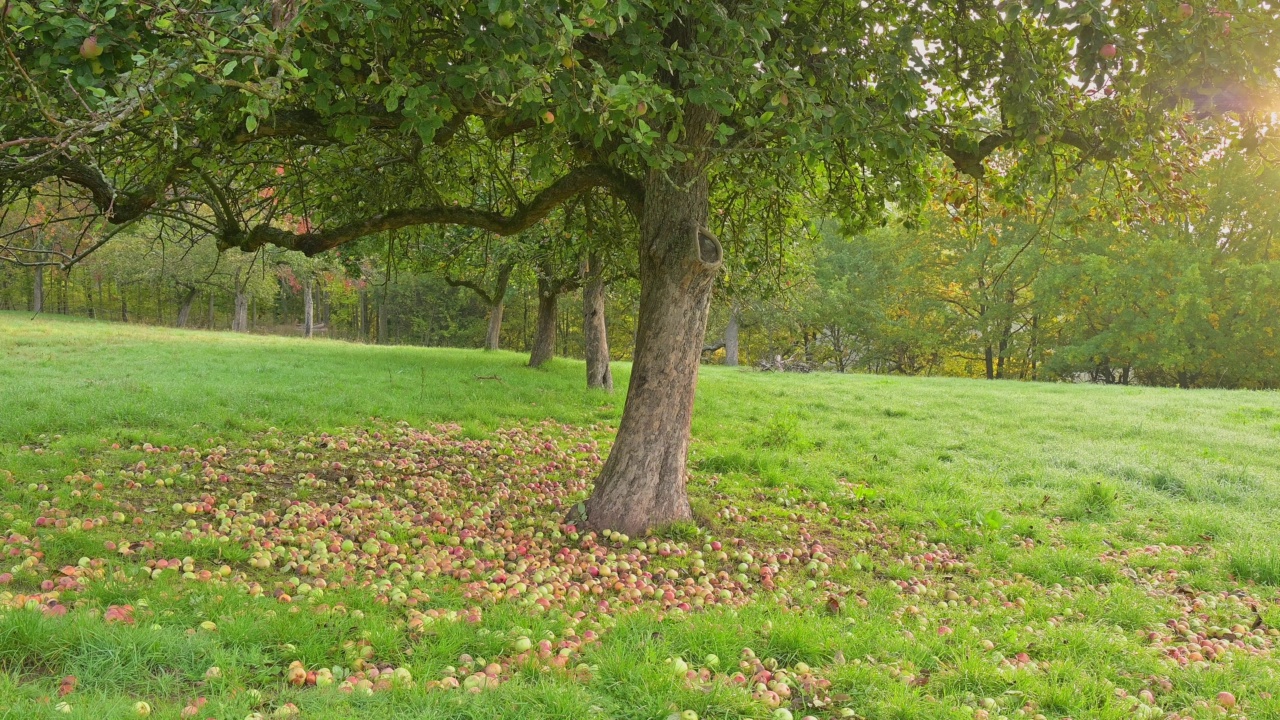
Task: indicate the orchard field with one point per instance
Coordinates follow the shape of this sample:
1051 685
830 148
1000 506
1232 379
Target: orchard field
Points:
206 525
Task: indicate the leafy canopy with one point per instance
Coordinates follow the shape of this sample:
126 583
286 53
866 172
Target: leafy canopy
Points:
419 106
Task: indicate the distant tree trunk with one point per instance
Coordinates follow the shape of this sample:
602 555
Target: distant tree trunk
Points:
544 335
595 336
493 336
212 316
184 312
837 346
240 323
37 291
308 310
1003 348
124 304
383 318
497 303
364 314
988 356
1032 352
731 337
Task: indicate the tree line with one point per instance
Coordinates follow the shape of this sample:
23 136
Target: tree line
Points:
1072 286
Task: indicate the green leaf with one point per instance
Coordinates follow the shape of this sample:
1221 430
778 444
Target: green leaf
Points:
251 123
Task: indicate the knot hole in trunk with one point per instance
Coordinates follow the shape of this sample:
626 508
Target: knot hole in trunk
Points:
710 252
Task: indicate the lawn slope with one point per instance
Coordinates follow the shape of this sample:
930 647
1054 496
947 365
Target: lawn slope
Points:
226 525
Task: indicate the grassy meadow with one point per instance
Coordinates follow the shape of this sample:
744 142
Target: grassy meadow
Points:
235 526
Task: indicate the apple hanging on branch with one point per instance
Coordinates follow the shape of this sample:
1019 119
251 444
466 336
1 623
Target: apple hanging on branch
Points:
90 49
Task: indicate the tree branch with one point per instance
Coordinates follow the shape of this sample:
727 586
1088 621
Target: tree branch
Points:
472 286
970 162
528 214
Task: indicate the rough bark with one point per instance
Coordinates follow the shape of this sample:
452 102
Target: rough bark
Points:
184 312
595 336
643 483
37 291
240 323
308 310
544 334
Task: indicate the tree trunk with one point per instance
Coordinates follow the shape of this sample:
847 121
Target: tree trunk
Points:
544 336
124 304
364 315
212 315
308 310
643 484
731 337
184 312
1004 347
595 336
37 291
837 346
383 319
240 323
493 338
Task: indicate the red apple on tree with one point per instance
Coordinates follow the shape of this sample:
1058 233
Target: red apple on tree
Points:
1186 11
1108 51
90 49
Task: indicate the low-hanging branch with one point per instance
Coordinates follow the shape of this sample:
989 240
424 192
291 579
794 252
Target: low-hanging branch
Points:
118 206
525 216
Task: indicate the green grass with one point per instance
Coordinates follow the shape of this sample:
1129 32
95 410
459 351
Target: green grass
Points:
1082 518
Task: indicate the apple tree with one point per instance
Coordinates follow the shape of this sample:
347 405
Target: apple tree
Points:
386 114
